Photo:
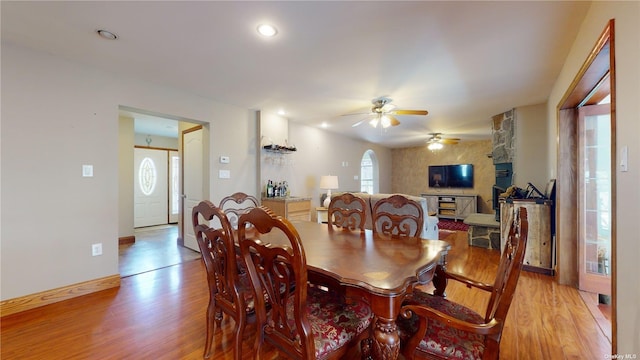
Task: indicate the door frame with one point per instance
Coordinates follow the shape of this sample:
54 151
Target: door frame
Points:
597 72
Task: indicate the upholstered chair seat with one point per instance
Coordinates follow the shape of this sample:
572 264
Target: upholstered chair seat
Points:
440 339
334 320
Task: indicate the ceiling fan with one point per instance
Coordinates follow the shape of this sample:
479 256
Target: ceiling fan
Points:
383 112
436 141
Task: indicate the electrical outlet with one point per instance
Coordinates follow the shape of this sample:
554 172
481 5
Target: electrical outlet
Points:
96 249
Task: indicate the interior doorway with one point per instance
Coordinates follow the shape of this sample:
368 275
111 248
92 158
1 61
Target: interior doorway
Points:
156 240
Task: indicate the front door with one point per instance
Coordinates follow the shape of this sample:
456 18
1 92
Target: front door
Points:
594 198
150 187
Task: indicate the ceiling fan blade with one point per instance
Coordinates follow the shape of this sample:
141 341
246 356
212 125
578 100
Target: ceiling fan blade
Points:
449 141
410 112
357 113
358 123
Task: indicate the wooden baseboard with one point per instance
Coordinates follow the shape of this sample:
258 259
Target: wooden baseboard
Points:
23 303
126 240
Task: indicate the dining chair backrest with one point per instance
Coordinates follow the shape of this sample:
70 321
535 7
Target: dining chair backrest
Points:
347 211
272 271
237 204
397 216
226 295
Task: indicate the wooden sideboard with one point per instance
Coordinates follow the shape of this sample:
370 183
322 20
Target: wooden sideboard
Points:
292 208
539 254
452 206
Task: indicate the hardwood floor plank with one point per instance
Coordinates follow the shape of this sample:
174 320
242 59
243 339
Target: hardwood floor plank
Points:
161 314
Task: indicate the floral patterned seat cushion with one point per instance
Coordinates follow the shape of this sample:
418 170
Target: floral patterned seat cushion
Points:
334 320
440 339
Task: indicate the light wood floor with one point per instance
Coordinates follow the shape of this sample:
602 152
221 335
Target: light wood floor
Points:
160 314
155 247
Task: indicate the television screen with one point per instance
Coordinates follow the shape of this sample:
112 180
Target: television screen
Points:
451 176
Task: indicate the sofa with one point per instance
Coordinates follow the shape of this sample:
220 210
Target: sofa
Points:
430 230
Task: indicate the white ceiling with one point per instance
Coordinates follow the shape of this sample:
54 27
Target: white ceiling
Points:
462 61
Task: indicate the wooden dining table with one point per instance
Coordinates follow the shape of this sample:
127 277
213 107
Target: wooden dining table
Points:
380 269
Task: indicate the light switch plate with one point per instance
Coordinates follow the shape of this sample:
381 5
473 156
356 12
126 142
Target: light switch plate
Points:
224 159
624 159
87 170
224 174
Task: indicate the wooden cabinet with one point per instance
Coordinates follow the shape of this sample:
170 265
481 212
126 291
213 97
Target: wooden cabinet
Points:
292 208
539 253
322 215
452 206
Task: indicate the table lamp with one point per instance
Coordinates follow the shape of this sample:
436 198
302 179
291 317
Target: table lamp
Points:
328 182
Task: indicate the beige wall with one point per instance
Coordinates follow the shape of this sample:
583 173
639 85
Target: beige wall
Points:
156 141
321 152
627 202
71 115
126 142
530 163
410 166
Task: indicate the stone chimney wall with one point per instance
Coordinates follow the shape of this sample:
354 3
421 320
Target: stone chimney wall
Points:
504 142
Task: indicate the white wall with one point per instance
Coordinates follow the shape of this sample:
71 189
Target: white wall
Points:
57 116
627 60
530 164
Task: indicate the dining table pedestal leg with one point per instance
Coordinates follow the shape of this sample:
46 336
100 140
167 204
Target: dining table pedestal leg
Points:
440 280
385 343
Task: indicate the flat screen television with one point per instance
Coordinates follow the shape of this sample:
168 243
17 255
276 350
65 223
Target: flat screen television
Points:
451 176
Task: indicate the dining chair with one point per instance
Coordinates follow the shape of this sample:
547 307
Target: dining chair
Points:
229 289
397 216
432 327
347 211
302 321
237 204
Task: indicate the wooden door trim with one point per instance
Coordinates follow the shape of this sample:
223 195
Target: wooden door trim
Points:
593 71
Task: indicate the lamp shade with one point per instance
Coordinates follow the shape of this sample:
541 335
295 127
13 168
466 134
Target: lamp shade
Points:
329 182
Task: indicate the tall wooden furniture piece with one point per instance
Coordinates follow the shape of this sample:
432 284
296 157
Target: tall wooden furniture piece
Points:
539 256
303 321
227 294
452 206
291 208
347 211
397 216
435 328
237 204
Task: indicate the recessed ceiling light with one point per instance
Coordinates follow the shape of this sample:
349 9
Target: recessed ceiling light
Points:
267 30
107 34
281 112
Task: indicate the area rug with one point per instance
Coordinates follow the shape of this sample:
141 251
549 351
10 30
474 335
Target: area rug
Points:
445 224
